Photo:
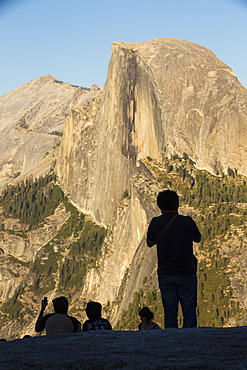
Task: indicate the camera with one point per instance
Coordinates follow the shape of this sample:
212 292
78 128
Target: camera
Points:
44 302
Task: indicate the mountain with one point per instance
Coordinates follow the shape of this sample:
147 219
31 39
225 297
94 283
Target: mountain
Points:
165 96
161 98
31 123
170 115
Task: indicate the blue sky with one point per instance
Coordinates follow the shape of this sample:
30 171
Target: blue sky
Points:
71 39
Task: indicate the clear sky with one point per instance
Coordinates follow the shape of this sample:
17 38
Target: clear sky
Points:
71 39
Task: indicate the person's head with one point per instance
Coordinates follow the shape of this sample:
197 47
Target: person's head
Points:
26 336
93 310
168 200
146 315
60 305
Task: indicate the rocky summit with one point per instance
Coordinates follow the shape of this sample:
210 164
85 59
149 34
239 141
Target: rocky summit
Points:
161 97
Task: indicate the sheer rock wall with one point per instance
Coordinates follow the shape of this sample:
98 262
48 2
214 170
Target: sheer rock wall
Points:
165 95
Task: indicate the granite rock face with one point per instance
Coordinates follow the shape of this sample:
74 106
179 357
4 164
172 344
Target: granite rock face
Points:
16 252
31 124
162 96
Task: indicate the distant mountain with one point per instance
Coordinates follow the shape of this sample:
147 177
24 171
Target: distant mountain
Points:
170 115
31 123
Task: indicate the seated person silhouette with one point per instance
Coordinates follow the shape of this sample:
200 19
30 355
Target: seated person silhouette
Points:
59 321
147 322
95 321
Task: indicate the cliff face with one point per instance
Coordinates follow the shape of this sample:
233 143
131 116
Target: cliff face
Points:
18 252
165 95
31 124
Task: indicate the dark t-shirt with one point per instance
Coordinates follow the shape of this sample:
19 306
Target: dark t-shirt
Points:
175 246
153 327
96 324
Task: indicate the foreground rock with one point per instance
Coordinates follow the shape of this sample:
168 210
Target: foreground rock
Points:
200 348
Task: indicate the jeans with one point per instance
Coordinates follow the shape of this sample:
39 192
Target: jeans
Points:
175 289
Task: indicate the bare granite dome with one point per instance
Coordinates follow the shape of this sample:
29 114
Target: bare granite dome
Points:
163 96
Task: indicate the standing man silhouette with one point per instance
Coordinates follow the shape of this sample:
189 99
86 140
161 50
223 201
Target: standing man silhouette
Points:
174 235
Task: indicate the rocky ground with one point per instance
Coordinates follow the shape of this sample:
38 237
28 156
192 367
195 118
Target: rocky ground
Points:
197 348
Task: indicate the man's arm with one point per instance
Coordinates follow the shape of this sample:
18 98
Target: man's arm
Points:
150 235
39 326
151 243
84 326
76 323
197 238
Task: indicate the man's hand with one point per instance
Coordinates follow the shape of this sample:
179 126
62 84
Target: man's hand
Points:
44 303
38 326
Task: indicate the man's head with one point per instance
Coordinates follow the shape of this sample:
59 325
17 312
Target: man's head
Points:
93 310
168 200
60 305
